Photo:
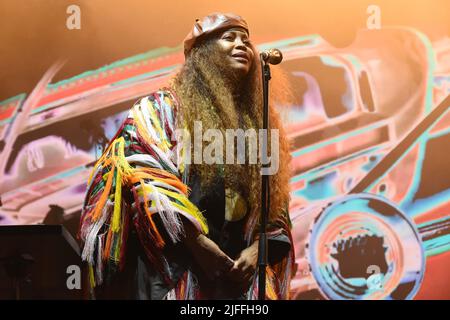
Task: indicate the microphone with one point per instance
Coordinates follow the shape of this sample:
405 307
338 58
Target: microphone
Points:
272 56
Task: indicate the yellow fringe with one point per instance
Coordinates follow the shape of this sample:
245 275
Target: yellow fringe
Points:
165 145
117 203
91 276
187 206
122 162
102 201
159 239
123 170
101 160
141 127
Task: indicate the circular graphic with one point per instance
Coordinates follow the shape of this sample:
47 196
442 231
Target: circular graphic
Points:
363 247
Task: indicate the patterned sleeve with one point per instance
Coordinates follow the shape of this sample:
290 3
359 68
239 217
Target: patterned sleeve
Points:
279 238
138 180
281 257
281 244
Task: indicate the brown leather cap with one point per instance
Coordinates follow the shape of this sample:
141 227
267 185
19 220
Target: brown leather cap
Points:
211 24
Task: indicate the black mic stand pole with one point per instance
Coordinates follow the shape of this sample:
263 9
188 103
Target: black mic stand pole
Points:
265 191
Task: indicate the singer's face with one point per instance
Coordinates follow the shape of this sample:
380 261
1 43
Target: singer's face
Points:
235 46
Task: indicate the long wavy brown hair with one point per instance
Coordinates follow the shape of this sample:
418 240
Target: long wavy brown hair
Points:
211 93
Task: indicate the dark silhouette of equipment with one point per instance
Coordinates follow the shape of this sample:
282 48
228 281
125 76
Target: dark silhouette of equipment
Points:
36 262
54 216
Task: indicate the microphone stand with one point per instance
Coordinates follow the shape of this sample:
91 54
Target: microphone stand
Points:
265 191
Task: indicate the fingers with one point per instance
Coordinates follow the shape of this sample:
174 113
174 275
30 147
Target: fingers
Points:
213 261
228 263
224 265
241 272
245 265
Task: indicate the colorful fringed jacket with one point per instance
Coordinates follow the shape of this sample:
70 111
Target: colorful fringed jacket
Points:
139 190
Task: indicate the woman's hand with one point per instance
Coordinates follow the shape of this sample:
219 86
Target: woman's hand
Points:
210 258
245 266
213 261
